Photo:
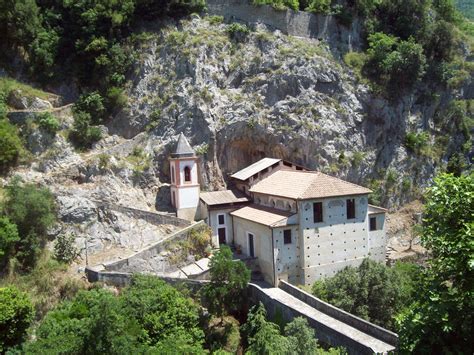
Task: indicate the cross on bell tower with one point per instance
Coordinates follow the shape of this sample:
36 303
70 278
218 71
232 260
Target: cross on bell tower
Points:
184 180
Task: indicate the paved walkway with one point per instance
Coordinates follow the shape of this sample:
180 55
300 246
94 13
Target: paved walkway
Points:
369 341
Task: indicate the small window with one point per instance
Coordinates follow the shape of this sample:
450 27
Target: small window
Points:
287 236
172 173
221 219
350 204
373 224
187 174
317 212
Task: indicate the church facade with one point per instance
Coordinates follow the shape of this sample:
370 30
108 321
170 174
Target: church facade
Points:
298 225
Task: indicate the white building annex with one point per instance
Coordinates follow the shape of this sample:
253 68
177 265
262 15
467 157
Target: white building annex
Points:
298 225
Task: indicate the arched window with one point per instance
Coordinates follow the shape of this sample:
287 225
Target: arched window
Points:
187 174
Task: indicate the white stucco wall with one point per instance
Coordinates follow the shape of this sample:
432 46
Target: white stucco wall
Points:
262 244
213 221
188 196
287 256
336 242
378 239
193 166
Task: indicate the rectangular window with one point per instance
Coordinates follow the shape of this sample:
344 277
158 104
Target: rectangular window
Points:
221 219
373 224
287 236
351 212
318 212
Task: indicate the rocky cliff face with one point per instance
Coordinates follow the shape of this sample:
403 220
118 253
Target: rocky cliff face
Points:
238 96
242 96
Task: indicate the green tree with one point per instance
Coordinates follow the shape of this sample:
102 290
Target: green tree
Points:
16 315
441 320
10 145
33 210
163 312
263 336
372 291
83 134
301 336
393 63
94 322
19 22
65 250
8 239
228 284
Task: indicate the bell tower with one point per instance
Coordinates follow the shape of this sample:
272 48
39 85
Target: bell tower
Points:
184 180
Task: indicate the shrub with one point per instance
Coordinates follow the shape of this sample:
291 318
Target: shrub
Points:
48 122
116 98
279 4
11 146
65 250
200 241
215 20
16 315
415 142
93 104
83 135
356 61
8 239
237 31
319 6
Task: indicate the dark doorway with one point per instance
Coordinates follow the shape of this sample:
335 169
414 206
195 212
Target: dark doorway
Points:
222 237
251 248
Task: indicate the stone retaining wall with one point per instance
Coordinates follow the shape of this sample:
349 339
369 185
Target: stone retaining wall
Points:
122 279
343 316
150 217
148 260
295 23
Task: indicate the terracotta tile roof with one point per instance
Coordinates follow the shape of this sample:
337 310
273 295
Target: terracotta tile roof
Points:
262 215
253 169
222 197
306 185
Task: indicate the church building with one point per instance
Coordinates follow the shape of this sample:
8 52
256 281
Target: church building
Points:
298 225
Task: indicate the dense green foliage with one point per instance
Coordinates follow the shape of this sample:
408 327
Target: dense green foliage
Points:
264 337
32 210
16 314
162 311
11 146
441 318
65 250
148 317
86 40
8 238
393 63
466 7
48 122
372 291
229 280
